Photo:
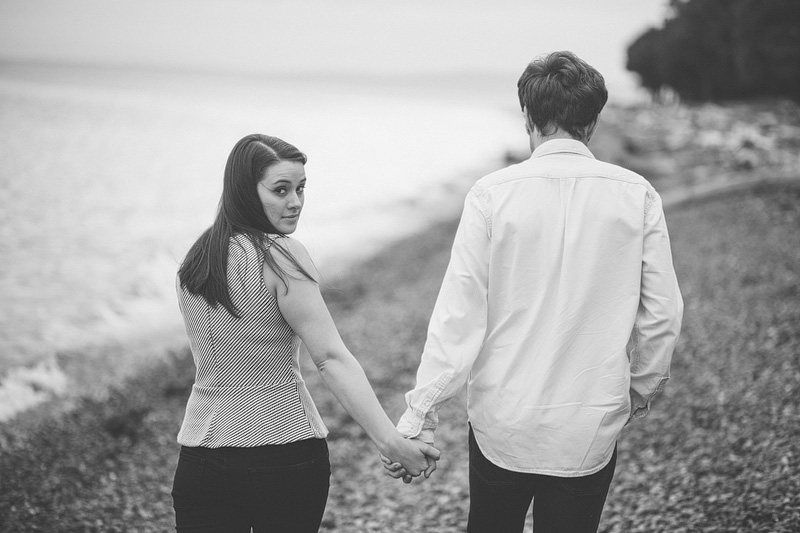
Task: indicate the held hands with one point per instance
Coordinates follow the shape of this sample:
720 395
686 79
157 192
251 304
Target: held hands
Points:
421 460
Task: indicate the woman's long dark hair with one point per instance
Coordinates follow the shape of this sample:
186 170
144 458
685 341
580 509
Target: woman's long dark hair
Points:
204 270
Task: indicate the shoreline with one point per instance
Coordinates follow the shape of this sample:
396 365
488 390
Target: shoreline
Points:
89 371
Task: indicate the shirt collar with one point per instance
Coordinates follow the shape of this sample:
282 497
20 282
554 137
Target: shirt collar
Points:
562 146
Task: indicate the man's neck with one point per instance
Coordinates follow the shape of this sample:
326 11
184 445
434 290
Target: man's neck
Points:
536 140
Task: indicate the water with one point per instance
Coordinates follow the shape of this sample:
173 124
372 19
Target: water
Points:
107 176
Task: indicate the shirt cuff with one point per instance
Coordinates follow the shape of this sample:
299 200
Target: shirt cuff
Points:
410 424
413 426
426 435
640 405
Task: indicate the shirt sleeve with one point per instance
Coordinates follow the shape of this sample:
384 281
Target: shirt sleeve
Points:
458 324
658 319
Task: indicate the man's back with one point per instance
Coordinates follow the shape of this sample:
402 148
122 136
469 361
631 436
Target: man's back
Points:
559 307
566 239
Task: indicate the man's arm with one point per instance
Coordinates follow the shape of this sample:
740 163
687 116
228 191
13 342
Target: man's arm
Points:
658 320
457 326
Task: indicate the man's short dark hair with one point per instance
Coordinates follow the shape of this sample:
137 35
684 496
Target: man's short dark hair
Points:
561 90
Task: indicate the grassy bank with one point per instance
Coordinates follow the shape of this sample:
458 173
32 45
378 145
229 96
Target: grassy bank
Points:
719 452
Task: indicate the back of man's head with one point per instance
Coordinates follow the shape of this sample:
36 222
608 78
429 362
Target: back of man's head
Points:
562 91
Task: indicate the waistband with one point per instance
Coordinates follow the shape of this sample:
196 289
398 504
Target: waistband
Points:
266 455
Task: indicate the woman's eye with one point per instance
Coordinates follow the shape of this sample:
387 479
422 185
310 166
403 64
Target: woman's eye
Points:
281 191
301 189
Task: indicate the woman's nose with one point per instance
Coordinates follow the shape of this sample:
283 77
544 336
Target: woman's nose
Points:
295 201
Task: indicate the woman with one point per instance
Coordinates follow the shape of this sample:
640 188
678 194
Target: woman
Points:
253 449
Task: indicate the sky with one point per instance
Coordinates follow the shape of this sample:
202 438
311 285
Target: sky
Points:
367 37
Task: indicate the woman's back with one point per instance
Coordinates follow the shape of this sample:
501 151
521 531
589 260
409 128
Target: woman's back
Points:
248 389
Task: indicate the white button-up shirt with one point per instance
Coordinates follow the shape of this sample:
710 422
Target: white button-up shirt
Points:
560 309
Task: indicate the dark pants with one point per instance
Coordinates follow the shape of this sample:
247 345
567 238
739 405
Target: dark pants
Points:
281 488
499 498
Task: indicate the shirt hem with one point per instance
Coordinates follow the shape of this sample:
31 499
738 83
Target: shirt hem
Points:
544 471
550 472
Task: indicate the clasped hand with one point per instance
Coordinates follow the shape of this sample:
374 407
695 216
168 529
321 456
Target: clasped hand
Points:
419 462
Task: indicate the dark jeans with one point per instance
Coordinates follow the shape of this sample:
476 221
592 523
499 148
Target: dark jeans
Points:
499 498
281 488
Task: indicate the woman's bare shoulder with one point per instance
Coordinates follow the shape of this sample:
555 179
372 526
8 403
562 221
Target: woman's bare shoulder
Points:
284 248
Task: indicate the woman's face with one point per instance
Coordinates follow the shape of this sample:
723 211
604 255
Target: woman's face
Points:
281 194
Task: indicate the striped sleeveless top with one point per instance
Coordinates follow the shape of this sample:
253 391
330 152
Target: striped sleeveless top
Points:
248 390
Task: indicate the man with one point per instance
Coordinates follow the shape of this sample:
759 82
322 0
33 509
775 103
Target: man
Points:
560 309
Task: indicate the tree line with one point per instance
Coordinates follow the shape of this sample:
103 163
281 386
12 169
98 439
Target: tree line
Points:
722 50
